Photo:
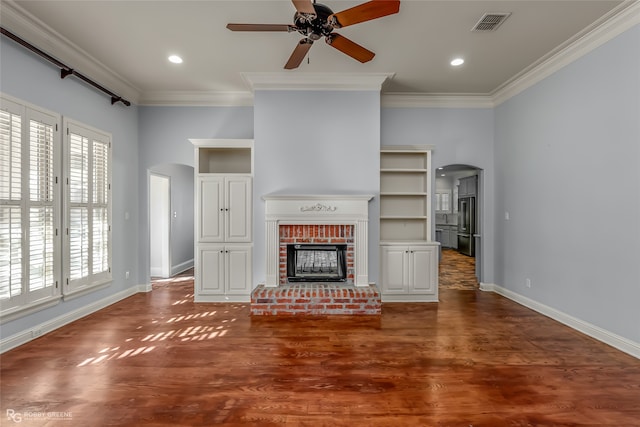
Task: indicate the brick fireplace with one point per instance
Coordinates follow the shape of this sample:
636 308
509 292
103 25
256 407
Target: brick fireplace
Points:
315 236
324 228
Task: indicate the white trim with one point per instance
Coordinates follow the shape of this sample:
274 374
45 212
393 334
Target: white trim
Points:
434 100
315 81
197 99
621 19
222 298
31 333
602 335
183 266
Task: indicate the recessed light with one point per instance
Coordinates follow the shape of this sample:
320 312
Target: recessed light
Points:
175 59
457 62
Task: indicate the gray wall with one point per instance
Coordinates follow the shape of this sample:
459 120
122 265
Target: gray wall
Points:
164 138
316 142
27 77
182 214
459 136
568 172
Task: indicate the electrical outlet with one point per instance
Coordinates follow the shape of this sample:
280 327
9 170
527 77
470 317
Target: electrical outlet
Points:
527 282
126 274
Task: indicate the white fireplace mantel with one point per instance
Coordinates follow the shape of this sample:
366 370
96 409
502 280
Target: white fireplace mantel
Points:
352 209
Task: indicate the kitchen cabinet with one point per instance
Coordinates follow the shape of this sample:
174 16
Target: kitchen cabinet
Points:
223 220
409 272
448 235
468 186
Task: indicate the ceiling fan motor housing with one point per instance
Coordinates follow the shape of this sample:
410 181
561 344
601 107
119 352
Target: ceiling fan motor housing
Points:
317 26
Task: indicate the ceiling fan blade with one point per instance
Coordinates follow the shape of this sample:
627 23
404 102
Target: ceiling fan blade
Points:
261 27
298 54
350 48
365 12
304 6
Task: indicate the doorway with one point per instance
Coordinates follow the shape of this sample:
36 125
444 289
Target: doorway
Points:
159 225
458 225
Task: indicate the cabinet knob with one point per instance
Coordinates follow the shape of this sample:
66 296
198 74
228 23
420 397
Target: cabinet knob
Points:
221 210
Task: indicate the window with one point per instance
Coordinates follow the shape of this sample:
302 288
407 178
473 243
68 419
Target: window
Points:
55 240
29 207
443 201
87 208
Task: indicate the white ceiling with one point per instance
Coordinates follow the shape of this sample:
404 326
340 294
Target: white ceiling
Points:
131 40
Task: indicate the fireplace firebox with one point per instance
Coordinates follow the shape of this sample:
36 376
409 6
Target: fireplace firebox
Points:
316 263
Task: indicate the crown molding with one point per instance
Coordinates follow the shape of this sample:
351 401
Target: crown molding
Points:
435 100
28 27
315 81
197 99
621 19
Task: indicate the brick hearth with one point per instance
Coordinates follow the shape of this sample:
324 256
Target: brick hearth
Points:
315 299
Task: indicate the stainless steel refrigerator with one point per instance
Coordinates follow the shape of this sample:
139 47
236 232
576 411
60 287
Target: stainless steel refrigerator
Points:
466 225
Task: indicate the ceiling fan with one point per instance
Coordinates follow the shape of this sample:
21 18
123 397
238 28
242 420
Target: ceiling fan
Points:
315 20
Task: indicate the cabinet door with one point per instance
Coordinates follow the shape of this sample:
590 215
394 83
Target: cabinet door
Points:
422 269
238 268
210 270
394 269
453 237
238 209
446 242
210 199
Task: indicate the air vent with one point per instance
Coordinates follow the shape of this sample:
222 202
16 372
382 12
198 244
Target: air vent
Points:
490 21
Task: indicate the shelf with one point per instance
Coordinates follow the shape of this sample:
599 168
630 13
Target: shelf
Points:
404 193
398 229
400 193
399 170
224 160
403 217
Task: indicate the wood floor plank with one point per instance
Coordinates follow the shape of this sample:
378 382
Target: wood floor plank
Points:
474 359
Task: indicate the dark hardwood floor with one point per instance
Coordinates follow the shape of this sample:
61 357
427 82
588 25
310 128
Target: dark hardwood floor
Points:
474 359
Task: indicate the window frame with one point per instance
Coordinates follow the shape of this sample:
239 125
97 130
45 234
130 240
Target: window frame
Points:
29 301
58 175
72 287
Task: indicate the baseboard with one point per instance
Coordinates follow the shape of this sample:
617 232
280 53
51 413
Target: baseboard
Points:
34 332
222 298
183 266
623 344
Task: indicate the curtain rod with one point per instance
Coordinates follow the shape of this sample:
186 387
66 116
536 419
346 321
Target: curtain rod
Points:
64 69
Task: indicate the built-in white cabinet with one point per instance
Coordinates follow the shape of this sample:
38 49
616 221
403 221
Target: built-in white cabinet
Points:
225 208
409 257
405 202
223 220
409 272
225 270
